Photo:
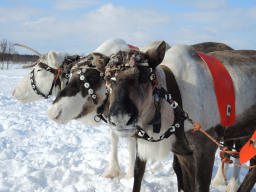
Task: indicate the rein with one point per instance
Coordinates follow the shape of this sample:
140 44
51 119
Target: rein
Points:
223 150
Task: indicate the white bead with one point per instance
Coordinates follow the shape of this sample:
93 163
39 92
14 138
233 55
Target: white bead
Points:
94 96
82 77
90 91
86 85
79 71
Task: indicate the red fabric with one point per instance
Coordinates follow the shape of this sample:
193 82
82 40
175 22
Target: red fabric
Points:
133 47
223 86
248 151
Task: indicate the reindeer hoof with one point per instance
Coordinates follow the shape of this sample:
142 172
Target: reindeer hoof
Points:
112 172
217 182
128 175
109 176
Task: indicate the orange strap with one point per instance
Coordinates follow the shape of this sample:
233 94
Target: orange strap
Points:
57 76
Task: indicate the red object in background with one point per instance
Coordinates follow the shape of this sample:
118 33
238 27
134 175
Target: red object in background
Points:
133 47
248 151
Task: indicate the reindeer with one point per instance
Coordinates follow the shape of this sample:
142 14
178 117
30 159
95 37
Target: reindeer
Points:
131 105
50 73
44 78
73 103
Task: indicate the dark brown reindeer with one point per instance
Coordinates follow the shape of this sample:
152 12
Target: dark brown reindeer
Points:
132 103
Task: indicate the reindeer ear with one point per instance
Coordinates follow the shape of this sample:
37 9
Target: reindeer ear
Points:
100 61
53 59
156 55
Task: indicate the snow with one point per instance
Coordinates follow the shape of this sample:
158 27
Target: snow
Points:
38 155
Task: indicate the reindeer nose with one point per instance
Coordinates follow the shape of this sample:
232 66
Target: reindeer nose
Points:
53 113
121 119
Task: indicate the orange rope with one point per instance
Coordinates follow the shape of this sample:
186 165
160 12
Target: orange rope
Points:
198 127
223 150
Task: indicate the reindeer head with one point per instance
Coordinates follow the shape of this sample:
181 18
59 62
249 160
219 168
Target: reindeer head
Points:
39 82
128 78
84 92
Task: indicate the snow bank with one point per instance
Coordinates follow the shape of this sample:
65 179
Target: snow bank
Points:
38 155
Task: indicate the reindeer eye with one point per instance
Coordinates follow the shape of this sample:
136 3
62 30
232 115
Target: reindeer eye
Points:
108 78
39 70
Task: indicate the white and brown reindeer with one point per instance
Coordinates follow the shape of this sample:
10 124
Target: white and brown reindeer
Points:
40 84
132 102
75 102
43 81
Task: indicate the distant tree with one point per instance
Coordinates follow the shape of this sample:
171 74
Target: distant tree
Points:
3 51
10 52
7 51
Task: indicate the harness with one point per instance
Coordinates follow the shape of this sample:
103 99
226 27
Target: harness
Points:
60 72
87 85
180 114
159 93
99 116
55 82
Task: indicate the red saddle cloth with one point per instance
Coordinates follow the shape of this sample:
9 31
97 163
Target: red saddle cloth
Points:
224 89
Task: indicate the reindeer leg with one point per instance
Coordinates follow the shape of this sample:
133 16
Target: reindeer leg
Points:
204 156
132 153
113 168
219 179
178 171
250 179
186 163
139 171
234 182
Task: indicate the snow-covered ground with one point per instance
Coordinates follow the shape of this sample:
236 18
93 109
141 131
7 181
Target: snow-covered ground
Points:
38 155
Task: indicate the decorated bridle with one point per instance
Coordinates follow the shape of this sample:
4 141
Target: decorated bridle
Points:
158 92
55 82
79 70
120 59
60 72
86 83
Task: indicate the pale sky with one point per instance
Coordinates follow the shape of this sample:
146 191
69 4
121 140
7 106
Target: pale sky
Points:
80 26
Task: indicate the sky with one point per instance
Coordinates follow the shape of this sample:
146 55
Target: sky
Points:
80 26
